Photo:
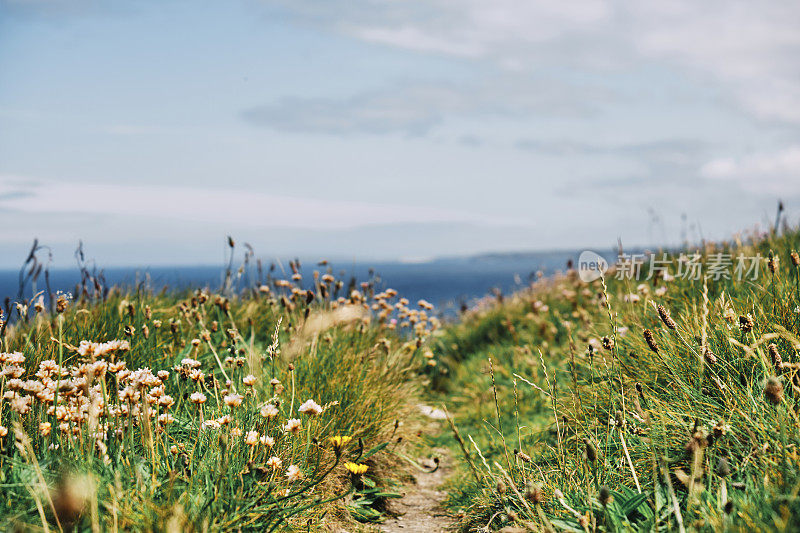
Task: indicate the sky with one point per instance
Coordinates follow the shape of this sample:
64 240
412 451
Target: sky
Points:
389 129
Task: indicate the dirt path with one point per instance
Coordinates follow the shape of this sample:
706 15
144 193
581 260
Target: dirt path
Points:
420 508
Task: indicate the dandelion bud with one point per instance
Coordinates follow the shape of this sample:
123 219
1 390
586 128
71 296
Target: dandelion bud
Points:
773 391
651 341
663 313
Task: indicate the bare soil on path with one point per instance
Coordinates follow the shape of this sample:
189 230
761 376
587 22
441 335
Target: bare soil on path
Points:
420 509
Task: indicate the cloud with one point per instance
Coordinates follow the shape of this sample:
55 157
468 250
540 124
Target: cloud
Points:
747 50
226 207
661 153
765 173
415 109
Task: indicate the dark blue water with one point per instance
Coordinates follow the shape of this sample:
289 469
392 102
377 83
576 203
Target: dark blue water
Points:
447 283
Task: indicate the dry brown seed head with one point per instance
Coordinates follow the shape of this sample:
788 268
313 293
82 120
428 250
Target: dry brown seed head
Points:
773 390
663 313
777 360
651 341
746 323
591 452
605 495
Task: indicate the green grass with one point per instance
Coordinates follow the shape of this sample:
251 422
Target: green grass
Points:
564 417
679 415
113 467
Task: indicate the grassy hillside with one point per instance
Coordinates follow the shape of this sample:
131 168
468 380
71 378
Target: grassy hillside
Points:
276 408
633 402
667 403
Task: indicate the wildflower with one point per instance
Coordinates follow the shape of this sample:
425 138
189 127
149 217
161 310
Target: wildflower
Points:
173 450
198 398
163 375
339 442
251 439
274 462
233 400
3 431
267 441
166 401
631 298
773 390
44 428
355 468
165 419
651 341
211 424
729 314
15 358
21 404
310 407
663 313
236 432
269 411
292 425
293 473
661 291
249 380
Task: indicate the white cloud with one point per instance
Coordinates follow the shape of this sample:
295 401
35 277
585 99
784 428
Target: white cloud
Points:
415 109
748 49
773 173
226 207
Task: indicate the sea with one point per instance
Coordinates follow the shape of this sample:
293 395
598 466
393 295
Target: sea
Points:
448 283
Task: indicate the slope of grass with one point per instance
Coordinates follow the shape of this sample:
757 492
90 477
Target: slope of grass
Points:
276 409
571 420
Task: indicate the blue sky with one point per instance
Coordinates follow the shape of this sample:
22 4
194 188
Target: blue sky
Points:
390 129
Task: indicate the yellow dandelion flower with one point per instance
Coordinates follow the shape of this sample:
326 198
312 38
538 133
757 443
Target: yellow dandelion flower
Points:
355 468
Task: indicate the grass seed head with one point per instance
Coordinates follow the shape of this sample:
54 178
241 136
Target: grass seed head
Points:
663 313
773 390
605 495
651 341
